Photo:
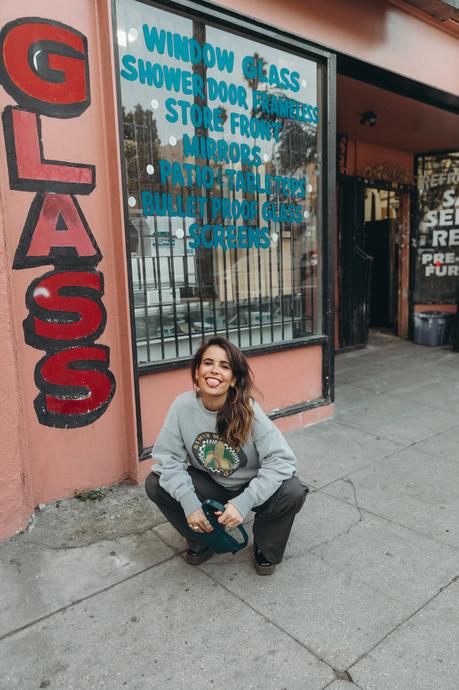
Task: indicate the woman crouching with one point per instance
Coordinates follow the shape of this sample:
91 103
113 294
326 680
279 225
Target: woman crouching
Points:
217 442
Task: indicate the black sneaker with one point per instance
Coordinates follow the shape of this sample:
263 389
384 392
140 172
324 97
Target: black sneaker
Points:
197 556
262 565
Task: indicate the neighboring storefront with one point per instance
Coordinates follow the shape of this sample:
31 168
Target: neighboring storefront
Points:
169 174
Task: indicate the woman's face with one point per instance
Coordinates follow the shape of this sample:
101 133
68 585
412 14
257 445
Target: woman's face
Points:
214 376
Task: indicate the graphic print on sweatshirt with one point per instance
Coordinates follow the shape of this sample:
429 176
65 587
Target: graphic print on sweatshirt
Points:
215 455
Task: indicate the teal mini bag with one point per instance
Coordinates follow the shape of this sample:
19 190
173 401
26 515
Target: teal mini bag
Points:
219 540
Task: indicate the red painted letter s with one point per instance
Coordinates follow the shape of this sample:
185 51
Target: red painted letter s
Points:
76 386
65 309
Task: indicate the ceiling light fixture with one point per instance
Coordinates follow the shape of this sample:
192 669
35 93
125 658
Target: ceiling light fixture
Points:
370 117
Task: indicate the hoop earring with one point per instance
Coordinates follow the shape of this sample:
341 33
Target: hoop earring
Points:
235 388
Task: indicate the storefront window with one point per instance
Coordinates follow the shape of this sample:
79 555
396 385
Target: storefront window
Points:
222 143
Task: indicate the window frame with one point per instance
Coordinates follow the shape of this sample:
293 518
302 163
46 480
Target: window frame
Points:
225 19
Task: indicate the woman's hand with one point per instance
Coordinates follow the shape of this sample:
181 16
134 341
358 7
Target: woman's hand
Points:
231 517
198 521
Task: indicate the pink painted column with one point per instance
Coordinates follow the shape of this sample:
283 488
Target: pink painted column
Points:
15 492
67 415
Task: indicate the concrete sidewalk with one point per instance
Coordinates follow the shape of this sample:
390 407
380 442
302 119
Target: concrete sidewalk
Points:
95 594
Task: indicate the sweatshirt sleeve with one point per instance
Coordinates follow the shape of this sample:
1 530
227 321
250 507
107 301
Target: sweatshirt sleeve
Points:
277 463
170 453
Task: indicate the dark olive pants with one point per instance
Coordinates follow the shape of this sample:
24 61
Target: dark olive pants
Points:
273 519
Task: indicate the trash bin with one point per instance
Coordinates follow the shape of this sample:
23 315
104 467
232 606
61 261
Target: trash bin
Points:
432 327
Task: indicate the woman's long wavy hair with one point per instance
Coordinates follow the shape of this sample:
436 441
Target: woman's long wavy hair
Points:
235 418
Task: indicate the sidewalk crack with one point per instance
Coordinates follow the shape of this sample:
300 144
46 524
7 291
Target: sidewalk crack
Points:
405 620
86 597
356 504
323 543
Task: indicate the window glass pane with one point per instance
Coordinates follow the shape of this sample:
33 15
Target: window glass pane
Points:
223 158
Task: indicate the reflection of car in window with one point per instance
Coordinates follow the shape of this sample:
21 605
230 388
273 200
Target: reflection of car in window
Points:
258 318
218 322
210 323
168 329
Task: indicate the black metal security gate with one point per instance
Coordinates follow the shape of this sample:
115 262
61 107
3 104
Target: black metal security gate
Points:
355 266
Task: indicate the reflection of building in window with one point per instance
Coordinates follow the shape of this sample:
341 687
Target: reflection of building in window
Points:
133 238
141 143
381 204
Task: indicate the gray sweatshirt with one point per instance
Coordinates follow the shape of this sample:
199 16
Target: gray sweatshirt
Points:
189 436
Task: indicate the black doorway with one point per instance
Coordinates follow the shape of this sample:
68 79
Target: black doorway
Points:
381 233
368 277
377 245
354 275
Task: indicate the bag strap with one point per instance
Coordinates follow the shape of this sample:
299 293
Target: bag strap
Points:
210 506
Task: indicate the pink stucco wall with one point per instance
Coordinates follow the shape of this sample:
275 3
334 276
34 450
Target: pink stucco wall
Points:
387 34
55 462
16 502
